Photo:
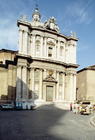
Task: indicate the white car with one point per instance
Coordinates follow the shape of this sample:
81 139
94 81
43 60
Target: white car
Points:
6 107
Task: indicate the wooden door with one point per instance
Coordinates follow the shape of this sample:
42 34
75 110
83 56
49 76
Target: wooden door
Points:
49 93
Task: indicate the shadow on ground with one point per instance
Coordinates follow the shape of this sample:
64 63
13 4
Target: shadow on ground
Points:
31 125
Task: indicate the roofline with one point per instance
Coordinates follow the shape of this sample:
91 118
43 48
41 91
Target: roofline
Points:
87 68
45 30
6 50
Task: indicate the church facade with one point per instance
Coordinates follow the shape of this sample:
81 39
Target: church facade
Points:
45 64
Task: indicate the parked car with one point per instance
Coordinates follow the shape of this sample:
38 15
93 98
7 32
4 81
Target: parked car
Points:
25 105
0 107
85 108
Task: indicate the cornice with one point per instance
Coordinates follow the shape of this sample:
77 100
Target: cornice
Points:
10 51
45 30
55 62
87 68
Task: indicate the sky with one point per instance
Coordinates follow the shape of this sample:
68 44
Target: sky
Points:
71 15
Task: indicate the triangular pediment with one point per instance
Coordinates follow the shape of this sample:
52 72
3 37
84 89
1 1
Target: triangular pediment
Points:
50 79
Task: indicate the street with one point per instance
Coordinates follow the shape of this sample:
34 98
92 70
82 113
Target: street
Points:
45 123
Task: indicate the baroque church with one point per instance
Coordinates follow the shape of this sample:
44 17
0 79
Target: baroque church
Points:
43 70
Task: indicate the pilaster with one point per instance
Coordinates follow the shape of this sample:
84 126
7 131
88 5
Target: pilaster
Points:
41 52
25 42
40 86
63 87
54 55
19 83
20 41
58 50
57 93
25 83
33 44
44 74
45 47
32 79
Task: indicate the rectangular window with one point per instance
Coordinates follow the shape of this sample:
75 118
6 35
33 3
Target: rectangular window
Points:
50 51
61 51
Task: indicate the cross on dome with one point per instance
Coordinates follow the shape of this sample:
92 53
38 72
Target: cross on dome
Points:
36 14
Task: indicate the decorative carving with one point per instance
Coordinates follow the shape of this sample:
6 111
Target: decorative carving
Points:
50 72
37 43
51 24
50 43
50 79
38 37
36 15
23 18
73 34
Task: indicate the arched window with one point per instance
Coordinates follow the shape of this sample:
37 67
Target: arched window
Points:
51 45
50 51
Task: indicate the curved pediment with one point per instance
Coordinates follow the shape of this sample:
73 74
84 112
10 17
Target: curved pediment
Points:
50 43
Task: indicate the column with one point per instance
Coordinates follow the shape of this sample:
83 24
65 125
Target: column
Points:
45 47
20 40
10 83
71 88
18 83
74 87
41 52
32 79
74 56
33 45
67 87
67 52
29 45
54 74
63 87
64 52
25 83
58 51
44 74
57 93
25 42
40 84
54 52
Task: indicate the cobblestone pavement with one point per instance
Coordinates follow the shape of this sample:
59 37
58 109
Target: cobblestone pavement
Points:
45 123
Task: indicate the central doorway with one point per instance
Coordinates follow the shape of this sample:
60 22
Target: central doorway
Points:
49 93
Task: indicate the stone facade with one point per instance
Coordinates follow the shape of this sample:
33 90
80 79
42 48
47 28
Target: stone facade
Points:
86 84
7 75
44 68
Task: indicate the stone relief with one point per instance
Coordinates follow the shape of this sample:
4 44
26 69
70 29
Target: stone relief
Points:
51 24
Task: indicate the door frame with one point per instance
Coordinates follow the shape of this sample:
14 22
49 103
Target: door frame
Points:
51 93
45 92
